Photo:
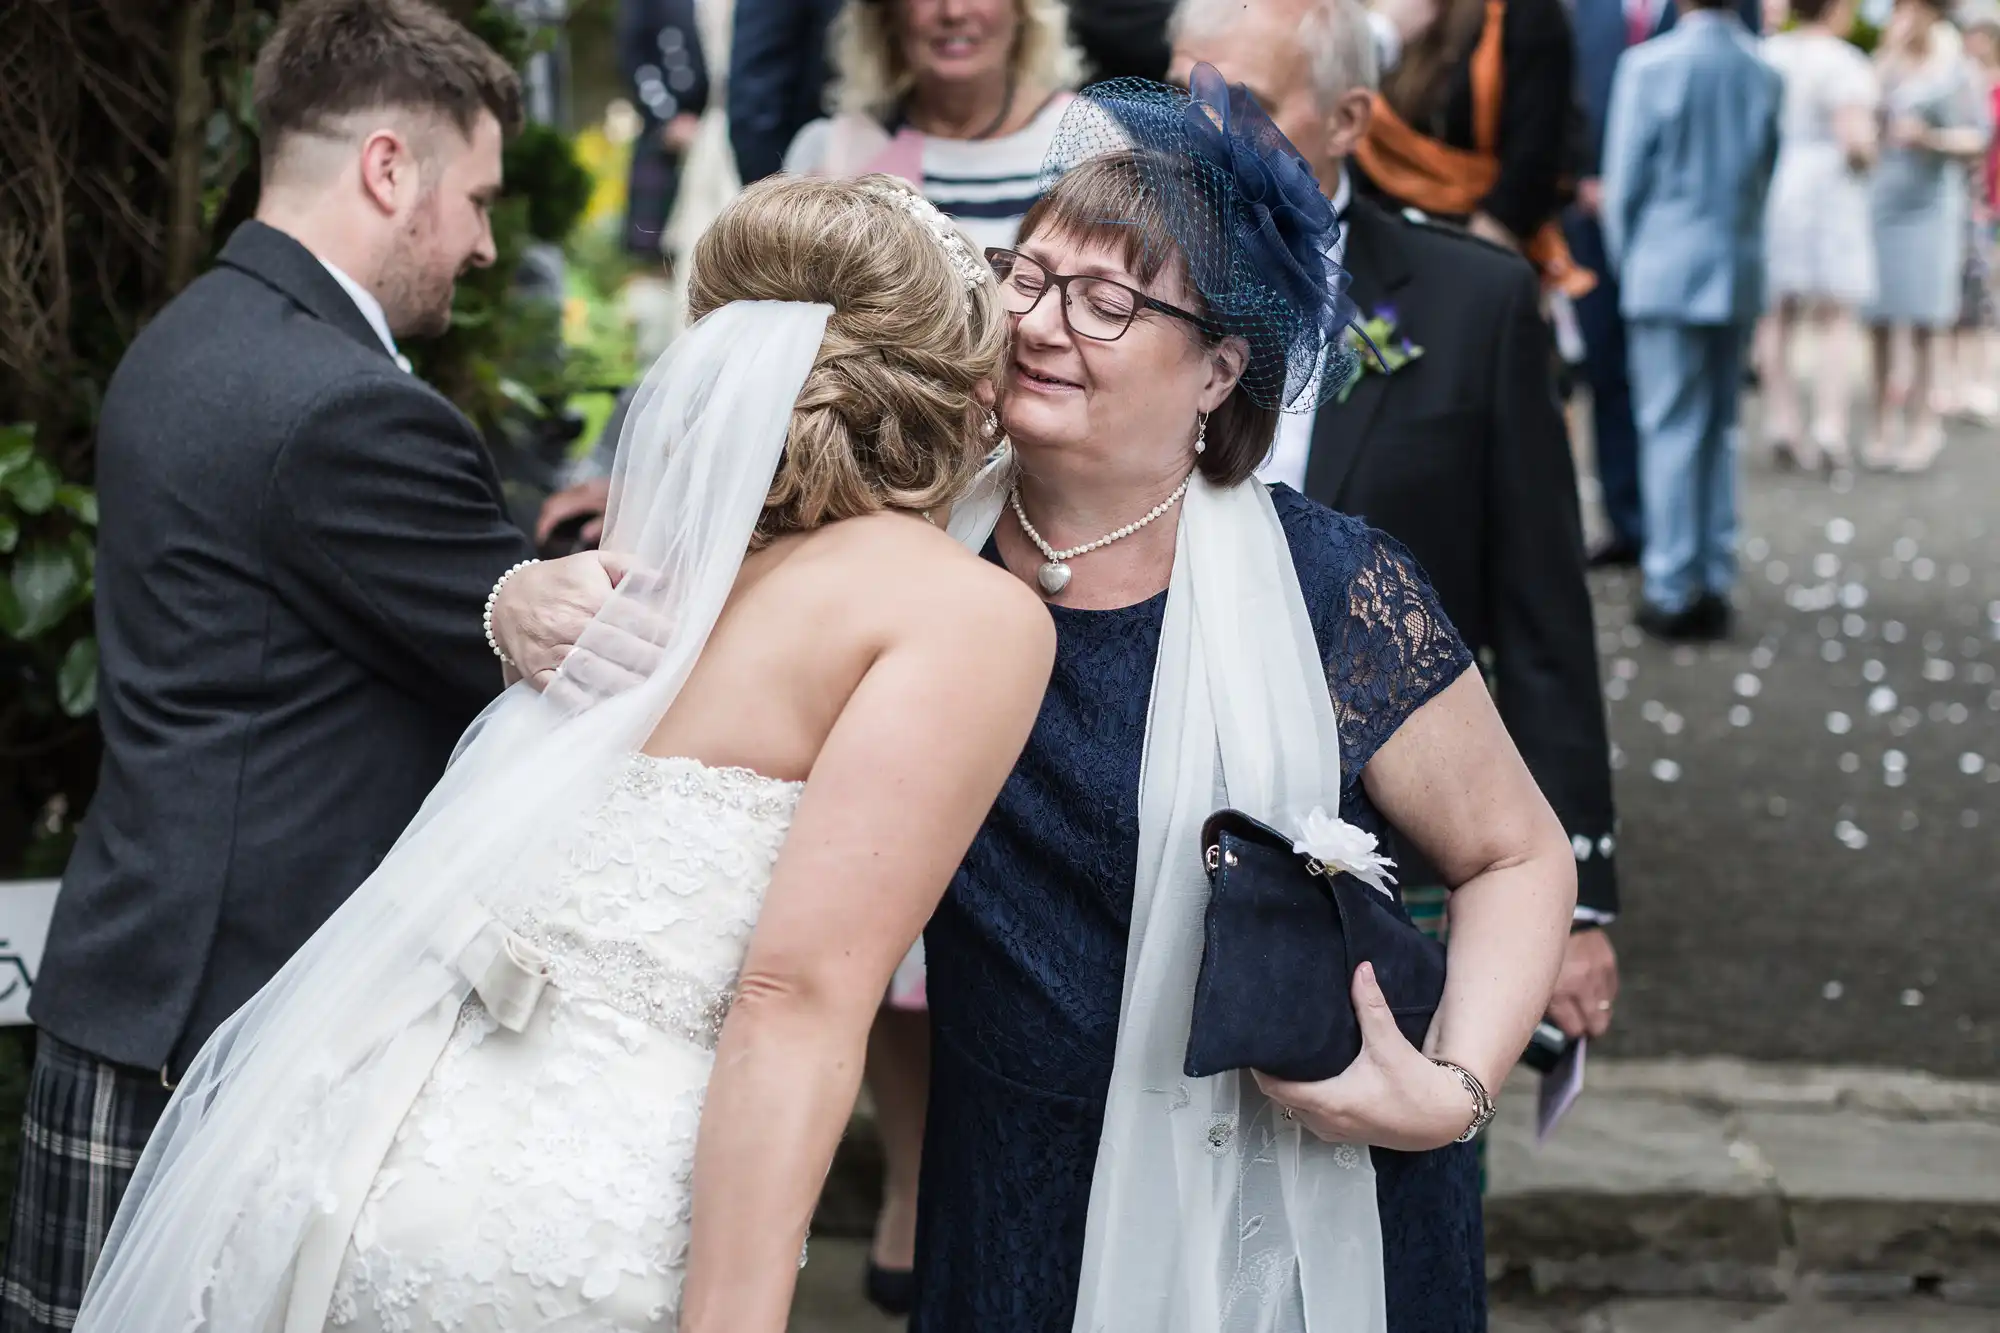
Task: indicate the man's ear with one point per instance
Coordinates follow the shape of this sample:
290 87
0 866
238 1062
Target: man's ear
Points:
390 172
1347 124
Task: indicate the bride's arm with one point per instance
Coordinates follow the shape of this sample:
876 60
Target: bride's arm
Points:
898 790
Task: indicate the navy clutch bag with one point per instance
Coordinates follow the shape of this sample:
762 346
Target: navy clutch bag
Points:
1282 939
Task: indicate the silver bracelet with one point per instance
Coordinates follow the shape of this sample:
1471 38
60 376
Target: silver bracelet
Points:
493 597
1482 1101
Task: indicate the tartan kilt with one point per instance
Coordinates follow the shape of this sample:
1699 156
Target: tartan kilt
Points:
87 1121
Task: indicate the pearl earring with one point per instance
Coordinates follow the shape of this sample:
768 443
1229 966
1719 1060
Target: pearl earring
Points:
1201 434
992 424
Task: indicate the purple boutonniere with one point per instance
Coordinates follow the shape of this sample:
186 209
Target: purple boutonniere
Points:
1379 348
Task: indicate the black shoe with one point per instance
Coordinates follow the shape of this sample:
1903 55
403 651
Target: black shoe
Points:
1702 620
893 1291
1616 554
1716 615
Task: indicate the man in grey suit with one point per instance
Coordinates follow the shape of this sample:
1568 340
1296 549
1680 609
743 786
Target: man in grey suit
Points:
1689 146
298 538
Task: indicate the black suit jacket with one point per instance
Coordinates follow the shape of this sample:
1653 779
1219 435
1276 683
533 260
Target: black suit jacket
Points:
296 541
1463 457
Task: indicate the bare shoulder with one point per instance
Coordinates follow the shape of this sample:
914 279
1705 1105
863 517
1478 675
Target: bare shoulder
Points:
934 590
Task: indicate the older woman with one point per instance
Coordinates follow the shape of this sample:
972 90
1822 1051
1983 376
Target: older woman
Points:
959 97
1218 644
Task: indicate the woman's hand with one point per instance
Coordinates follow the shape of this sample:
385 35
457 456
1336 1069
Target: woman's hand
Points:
1392 1096
1909 132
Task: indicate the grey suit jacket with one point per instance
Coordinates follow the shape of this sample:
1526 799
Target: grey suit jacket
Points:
1689 147
296 541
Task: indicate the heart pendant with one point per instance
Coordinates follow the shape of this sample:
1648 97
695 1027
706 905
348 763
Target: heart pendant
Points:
1054 577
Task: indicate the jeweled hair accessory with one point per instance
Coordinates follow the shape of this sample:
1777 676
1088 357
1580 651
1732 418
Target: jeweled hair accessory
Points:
1247 214
970 267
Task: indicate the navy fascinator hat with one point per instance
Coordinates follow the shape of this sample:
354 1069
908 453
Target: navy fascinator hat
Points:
1252 225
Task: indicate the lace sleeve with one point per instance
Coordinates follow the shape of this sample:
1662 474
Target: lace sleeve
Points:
1390 649
1388 645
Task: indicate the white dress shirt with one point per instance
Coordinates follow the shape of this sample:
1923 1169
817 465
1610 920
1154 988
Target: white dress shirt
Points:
1292 449
371 310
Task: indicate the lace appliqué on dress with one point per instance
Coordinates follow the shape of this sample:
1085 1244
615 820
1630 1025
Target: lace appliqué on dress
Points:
545 1177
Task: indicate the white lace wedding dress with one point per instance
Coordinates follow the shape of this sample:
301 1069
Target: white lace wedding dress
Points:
541 1178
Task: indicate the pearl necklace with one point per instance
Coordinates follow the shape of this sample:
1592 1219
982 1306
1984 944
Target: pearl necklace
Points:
1054 574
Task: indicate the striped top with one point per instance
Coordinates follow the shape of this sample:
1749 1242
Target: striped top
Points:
984 185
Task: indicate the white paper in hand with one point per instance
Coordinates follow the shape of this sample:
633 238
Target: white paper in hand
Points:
1561 1087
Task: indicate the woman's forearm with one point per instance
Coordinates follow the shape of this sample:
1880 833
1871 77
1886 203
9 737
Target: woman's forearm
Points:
1962 142
1508 929
786 1073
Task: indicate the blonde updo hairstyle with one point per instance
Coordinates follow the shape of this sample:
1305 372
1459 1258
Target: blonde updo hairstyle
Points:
890 416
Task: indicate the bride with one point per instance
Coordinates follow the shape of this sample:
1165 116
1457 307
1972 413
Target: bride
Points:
577 1055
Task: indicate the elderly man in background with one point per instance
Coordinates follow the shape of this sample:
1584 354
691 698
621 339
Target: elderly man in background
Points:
1459 451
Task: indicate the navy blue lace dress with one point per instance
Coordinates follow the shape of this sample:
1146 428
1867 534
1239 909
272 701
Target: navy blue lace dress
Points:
1026 958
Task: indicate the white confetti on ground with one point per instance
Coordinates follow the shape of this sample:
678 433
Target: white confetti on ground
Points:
1748 685
1839 723
1739 716
1832 990
1666 770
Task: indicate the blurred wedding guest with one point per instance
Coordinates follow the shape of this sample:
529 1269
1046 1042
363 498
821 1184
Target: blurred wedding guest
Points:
1474 125
1689 147
1460 453
777 78
660 52
1123 38
1605 30
1820 247
708 168
298 538
1936 124
779 71
959 97
1964 364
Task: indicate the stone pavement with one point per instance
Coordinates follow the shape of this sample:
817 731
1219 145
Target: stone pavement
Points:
830 1302
1708 1178
1810 812
1717 1177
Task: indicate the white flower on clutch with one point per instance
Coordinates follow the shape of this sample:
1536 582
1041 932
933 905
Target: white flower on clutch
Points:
1339 845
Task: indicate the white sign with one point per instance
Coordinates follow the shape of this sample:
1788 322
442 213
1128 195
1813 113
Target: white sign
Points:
25 905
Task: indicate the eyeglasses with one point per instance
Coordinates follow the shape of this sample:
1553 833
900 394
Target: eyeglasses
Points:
1097 308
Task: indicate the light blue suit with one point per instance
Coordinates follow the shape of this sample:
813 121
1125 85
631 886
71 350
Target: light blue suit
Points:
1689 145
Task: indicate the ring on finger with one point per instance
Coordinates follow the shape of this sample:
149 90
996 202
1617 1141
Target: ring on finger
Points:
1287 1112
1604 1006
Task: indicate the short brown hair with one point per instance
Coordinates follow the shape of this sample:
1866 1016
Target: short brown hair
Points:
889 417
331 58
1106 200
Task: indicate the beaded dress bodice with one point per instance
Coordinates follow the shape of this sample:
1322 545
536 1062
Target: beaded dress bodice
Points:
542 1178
